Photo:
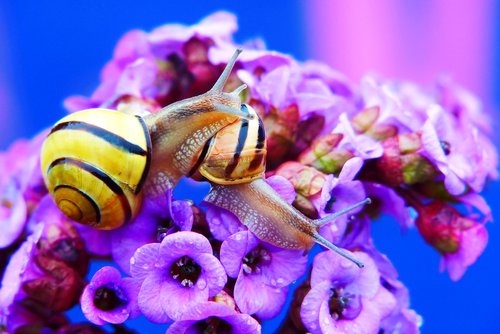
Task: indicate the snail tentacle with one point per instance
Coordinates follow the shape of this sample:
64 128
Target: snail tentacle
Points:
328 219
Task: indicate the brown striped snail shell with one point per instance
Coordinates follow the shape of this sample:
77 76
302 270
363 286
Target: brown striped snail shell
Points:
236 154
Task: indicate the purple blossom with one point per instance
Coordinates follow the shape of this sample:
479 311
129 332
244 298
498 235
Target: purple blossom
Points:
13 212
343 298
109 298
337 194
262 271
154 222
176 274
19 270
21 187
136 68
459 238
360 145
387 201
472 244
214 318
467 159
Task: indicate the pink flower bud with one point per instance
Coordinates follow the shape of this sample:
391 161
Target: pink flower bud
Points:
281 126
441 226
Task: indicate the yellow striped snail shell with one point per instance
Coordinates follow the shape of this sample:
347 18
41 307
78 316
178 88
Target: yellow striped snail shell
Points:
95 174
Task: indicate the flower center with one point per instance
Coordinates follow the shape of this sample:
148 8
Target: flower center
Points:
343 305
213 325
255 259
185 271
109 297
163 227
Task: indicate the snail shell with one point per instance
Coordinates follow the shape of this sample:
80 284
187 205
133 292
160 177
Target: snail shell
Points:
79 164
236 154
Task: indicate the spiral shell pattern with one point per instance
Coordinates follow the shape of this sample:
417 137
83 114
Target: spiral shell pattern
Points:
94 163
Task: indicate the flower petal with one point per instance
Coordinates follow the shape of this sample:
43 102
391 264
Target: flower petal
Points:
233 250
145 261
179 244
213 273
153 296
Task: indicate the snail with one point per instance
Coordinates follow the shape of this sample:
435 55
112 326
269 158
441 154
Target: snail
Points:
98 164
233 161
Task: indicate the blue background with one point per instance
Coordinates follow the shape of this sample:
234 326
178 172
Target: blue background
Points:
52 49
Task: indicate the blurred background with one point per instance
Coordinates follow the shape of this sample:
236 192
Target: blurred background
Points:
52 49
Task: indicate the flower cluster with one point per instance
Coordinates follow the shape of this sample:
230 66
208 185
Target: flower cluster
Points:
330 144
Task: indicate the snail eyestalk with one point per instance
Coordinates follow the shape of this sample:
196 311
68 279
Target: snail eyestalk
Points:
232 111
325 220
219 85
238 90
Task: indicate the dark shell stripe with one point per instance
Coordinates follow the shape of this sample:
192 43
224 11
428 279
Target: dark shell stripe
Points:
242 137
148 156
259 157
84 195
110 137
103 177
202 156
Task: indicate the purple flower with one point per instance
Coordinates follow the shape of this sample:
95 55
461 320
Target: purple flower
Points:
109 298
13 213
262 271
21 269
387 201
459 238
211 317
337 194
401 319
344 298
141 65
222 223
176 274
360 145
464 156
472 244
21 187
155 221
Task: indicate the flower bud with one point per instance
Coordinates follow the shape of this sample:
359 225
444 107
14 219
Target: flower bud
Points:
365 122
307 182
324 154
365 119
281 126
59 289
307 131
61 242
401 162
441 226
